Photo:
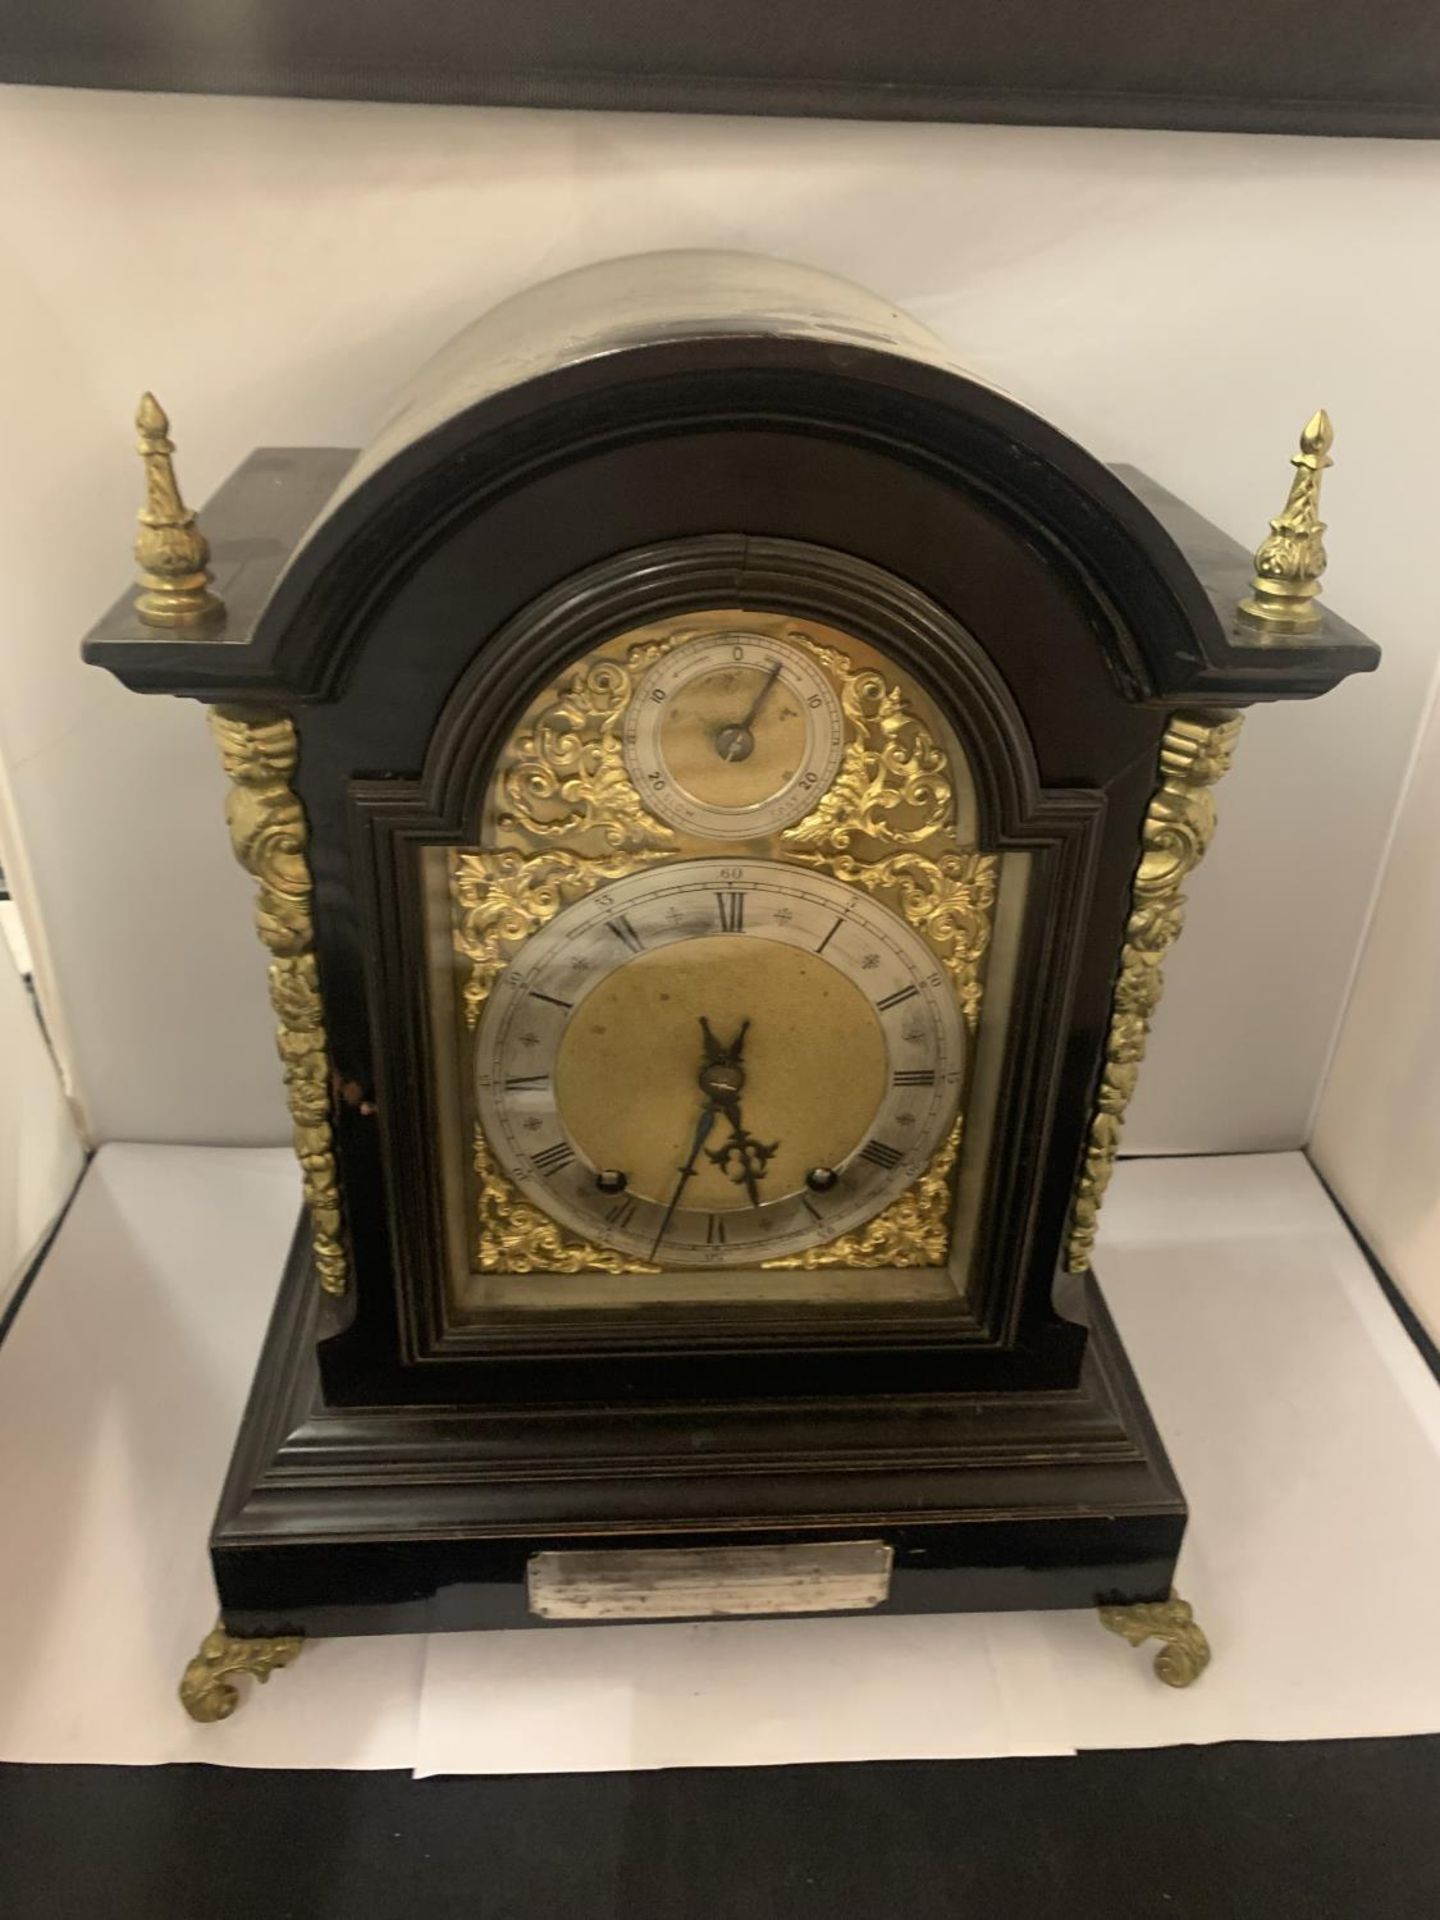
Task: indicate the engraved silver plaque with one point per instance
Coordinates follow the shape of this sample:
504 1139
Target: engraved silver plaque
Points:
709 1583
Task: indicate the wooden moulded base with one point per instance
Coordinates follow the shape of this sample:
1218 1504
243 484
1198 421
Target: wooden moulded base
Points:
386 1519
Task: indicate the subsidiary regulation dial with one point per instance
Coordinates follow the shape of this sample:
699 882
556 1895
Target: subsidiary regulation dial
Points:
732 736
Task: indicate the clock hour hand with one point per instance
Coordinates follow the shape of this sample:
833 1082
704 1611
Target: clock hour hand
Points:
762 696
750 1155
723 1077
719 1055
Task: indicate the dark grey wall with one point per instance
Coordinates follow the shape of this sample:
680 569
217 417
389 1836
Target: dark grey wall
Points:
1288 66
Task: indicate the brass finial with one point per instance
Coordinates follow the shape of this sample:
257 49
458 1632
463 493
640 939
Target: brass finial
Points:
173 553
1284 592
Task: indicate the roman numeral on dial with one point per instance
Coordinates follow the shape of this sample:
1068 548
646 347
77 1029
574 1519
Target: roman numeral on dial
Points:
528 1083
619 1214
553 1160
714 1230
881 1155
913 1077
895 999
732 912
625 933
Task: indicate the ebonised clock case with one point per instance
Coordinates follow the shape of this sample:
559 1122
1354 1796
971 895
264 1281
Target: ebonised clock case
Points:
388 1476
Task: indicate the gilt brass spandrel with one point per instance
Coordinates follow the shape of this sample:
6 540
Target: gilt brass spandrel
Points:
894 786
516 1237
913 1231
1179 823
502 897
564 777
269 835
888 824
499 899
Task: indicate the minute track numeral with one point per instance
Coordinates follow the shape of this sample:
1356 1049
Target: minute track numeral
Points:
895 999
553 1160
731 908
879 1154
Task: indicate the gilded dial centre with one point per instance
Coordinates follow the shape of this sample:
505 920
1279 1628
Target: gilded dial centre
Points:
812 1069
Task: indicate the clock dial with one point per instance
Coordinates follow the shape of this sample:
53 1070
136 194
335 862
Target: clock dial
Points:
716 1063
733 735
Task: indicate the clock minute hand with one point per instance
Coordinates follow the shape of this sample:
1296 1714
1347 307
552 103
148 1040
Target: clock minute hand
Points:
687 1172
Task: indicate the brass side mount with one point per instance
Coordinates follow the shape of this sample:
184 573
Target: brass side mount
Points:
1179 822
270 836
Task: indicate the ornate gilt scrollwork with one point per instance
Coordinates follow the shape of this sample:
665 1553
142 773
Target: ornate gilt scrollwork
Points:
501 898
913 1231
883 824
893 788
269 835
1184 1652
887 824
949 897
207 1687
566 778
498 900
1179 823
516 1237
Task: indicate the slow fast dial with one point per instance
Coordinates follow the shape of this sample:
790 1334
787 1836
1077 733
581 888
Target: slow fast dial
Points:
732 736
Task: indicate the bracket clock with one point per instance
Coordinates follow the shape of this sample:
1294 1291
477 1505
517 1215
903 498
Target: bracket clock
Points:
719 781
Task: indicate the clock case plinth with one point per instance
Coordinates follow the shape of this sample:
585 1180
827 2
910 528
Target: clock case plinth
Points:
352 1520
644 438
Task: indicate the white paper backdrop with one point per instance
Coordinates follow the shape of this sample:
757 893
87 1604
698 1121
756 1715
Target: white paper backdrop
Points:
1310 1453
1377 1137
275 268
40 1152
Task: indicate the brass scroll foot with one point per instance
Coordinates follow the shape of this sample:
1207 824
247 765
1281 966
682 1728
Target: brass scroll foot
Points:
1185 1653
207 1688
